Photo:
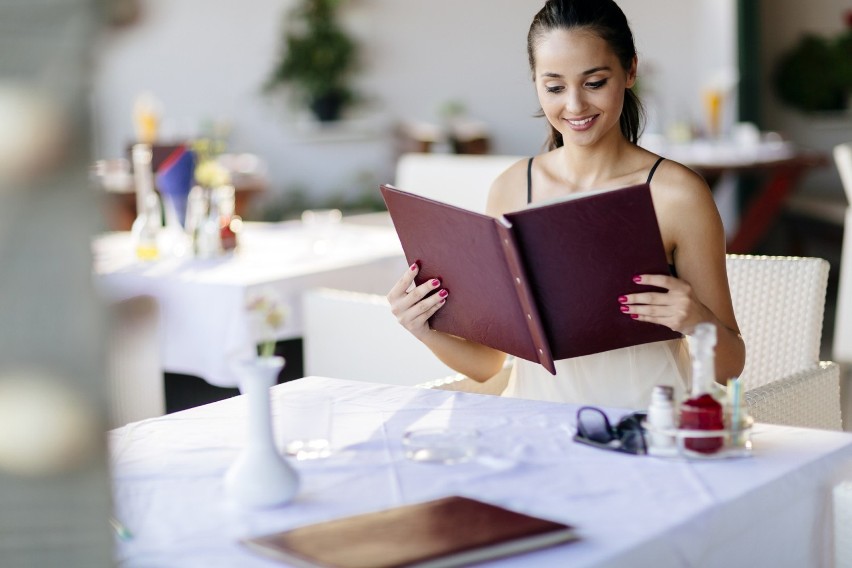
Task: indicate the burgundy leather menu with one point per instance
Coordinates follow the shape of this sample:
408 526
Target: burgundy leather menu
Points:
452 531
541 283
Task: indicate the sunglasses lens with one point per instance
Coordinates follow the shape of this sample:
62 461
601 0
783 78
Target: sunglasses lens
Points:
593 425
632 441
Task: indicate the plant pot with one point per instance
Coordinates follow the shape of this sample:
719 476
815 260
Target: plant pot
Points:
328 107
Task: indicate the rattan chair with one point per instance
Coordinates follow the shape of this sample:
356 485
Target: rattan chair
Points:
779 303
842 348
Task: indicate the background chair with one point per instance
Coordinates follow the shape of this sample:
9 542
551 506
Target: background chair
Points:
779 303
459 179
842 344
351 335
135 373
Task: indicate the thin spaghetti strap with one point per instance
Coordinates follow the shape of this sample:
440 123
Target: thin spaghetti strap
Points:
654 169
529 181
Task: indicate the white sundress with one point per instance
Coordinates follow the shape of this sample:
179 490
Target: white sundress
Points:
622 378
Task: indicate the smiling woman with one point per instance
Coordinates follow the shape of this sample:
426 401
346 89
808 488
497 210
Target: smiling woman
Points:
584 63
579 97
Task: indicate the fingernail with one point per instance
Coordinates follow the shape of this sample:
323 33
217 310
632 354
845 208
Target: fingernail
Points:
625 308
436 282
443 293
622 299
634 316
413 267
442 301
637 279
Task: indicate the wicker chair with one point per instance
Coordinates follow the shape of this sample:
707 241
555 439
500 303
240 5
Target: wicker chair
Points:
779 304
842 348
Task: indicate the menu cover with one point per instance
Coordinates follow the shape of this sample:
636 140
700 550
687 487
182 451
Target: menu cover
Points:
447 532
541 283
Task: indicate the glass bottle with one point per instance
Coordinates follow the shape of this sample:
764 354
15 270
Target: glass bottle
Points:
146 229
702 411
209 240
661 417
143 173
737 414
227 201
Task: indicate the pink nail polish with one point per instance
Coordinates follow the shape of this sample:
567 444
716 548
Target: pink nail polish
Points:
622 299
637 279
625 308
436 282
443 293
413 267
634 316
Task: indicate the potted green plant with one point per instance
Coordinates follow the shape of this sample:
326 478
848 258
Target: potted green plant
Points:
318 58
816 73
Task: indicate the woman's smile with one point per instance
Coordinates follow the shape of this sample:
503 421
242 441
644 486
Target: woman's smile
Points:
581 124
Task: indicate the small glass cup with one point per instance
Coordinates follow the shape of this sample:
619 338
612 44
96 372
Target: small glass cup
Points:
321 226
305 425
440 445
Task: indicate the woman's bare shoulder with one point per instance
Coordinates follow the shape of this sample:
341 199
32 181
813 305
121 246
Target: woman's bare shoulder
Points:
685 206
509 190
676 184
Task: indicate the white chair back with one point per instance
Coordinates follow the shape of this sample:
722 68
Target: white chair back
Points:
842 342
779 303
462 180
135 371
350 335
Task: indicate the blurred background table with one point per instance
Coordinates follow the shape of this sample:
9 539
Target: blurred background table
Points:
115 178
776 167
203 316
770 509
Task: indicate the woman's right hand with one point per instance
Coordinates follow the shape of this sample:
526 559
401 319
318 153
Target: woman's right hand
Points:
411 306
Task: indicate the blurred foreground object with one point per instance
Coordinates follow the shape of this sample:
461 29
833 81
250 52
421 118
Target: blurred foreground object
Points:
33 132
47 426
54 484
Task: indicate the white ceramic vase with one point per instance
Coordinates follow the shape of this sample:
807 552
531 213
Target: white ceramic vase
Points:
260 477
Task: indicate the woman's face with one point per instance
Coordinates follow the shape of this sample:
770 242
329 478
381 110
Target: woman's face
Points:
580 85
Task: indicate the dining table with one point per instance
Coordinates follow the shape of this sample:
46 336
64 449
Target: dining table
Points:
777 166
204 317
771 506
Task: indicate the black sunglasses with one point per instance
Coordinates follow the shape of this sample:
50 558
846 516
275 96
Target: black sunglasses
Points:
594 429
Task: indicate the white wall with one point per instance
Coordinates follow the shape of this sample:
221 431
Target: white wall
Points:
208 58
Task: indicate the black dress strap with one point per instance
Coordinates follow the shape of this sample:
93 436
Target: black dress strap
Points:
654 169
529 181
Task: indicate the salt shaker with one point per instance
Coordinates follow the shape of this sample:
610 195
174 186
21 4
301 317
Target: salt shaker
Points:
661 416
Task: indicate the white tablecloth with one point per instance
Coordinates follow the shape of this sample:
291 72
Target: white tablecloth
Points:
770 509
203 315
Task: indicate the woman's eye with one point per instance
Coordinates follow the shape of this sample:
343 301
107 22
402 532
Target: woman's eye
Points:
554 89
596 84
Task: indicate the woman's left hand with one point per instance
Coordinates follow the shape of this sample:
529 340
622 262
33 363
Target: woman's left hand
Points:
678 309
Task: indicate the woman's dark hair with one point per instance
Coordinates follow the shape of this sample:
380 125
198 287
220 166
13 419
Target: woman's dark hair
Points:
605 19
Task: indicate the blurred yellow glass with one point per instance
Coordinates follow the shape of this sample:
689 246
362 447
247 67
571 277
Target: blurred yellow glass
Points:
713 99
146 118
